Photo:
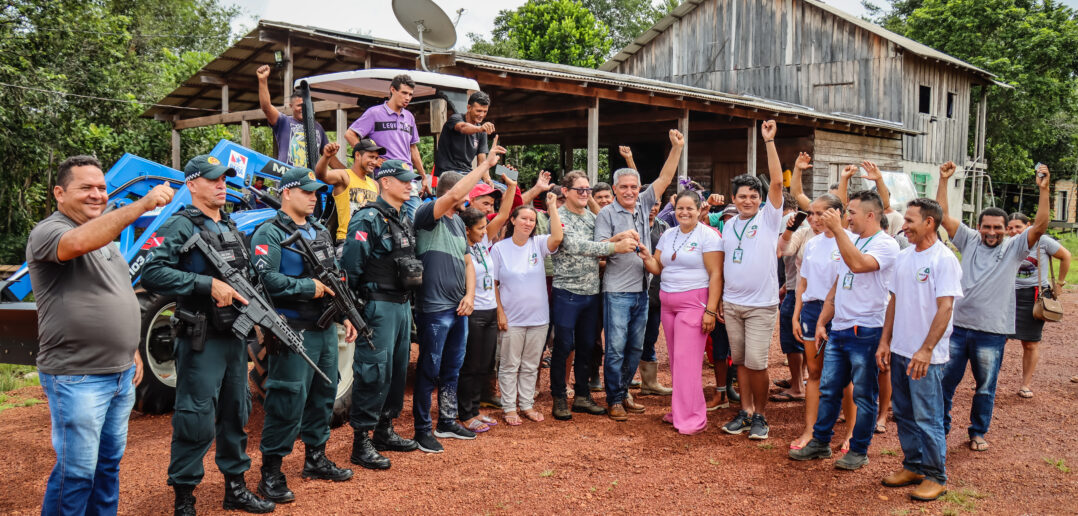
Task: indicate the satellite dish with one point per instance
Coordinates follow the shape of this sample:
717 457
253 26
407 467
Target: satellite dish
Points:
427 23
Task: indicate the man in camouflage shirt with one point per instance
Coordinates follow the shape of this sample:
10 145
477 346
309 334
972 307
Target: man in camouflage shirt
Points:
576 293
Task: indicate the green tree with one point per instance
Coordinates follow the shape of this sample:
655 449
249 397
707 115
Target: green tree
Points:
628 19
555 31
1030 44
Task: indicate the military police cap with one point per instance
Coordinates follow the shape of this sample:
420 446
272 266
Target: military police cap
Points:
206 166
300 177
402 170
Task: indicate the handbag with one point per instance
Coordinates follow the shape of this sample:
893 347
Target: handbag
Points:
1047 306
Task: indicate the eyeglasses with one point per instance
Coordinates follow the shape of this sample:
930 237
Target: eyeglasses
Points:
582 191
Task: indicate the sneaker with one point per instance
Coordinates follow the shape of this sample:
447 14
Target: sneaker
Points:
428 443
815 449
452 430
759 427
851 461
738 424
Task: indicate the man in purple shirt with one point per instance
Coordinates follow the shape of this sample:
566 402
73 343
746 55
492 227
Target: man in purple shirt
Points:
288 131
392 126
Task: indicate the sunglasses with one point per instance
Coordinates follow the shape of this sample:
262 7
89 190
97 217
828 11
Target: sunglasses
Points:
581 191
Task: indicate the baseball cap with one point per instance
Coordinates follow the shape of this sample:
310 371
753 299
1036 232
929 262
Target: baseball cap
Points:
482 189
300 177
368 145
205 166
399 169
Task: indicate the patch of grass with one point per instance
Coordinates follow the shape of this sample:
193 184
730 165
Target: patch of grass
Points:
8 402
547 473
900 512
765 446
1058 464
889 453
965 498
14 377
1069 241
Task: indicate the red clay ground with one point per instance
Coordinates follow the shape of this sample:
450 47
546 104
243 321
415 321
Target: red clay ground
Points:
594 465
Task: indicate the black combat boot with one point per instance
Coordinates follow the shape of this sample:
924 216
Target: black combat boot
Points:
317 465
386 439
365 454
238 497
274 486
185 500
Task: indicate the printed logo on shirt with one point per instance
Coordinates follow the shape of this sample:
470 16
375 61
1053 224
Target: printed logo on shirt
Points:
361 236
752 231
836 255
261 249
534 259
922 274
393 125
692 247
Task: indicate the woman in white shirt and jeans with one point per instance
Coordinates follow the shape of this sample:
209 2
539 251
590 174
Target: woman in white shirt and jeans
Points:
521 294
687 256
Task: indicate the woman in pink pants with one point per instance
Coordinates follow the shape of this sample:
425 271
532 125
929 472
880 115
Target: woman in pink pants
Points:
687 256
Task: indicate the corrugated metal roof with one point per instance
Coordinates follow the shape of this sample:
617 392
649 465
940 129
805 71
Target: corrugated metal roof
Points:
908 44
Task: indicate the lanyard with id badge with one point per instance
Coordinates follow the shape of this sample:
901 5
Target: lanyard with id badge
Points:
738 253
847 280
488 280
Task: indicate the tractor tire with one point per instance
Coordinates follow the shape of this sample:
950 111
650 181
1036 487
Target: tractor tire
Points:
343 401
156 393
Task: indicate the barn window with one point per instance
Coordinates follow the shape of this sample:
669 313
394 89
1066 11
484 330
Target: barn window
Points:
950 105
920 182
924 104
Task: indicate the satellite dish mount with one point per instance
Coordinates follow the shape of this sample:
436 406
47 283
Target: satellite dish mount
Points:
427 23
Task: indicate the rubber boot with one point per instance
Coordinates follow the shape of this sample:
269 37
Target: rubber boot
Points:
274 486
238 497
649 381
185 500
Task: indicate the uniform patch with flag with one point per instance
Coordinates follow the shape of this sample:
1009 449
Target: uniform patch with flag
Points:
153 241
261 249
361 236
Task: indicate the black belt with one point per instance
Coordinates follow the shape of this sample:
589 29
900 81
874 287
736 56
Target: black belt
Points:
392 297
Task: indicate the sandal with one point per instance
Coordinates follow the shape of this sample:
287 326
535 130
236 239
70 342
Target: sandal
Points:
785 396
785 384
476 425
1025 393
668 418
532 414
512 419
798 444
845 446
881 428
978 444
488 420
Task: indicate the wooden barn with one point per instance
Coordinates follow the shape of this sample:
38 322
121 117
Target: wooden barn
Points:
807 53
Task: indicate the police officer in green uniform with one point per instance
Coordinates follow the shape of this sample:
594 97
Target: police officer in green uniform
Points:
297 402
379 259
212 398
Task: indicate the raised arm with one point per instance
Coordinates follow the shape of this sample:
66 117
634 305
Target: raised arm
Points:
803 163
627 154
542 184
459 192
774 166
844 183
556 230
338 178
872 173
265 102
495 225
677 142
99 232
1044 210
949 223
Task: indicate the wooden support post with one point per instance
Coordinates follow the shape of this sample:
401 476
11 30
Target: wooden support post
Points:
245 134
342 127
593 142
683 164
751 158
175 148
224 98
566 157
288 77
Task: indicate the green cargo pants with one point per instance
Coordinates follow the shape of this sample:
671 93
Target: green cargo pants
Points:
380 374
212 401
297 401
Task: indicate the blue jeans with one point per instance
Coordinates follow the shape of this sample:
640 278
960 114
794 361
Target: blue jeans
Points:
625 314
410 206
984 352
786 330
89 433
651 333
850 355
443 340
573 322
918 409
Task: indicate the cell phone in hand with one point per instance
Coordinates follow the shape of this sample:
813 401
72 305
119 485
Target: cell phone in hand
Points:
1036 170
798 220
502 170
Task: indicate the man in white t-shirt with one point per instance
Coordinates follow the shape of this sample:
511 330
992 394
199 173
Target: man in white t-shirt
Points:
927 279
856 302
750 285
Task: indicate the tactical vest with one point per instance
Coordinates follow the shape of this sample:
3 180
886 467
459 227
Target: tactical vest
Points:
398 273
307 311
231 245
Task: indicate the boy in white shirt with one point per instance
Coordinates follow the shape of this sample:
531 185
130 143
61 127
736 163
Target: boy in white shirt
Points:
857 301
927 280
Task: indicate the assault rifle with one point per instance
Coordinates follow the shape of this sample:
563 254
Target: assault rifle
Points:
342 302
257 311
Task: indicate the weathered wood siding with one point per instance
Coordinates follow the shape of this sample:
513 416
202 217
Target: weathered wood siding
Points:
945 139
833 151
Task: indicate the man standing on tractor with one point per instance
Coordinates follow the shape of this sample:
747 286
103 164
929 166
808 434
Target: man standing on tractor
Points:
298 403
353 187
212 400
288 131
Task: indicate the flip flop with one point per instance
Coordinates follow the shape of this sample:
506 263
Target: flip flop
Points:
845 446
785 384
978 444
477 426
512 419
881 428
488 420
668 418
785 396
1025 393
532 414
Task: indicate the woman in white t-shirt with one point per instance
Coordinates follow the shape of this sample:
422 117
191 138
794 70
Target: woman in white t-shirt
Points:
687 256
523 309
819 266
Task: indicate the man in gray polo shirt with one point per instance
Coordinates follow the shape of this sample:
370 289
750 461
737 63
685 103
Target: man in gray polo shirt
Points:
88 329
625 283
984 316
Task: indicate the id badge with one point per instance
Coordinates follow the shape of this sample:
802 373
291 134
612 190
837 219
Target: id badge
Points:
847 281
488 282
737 255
